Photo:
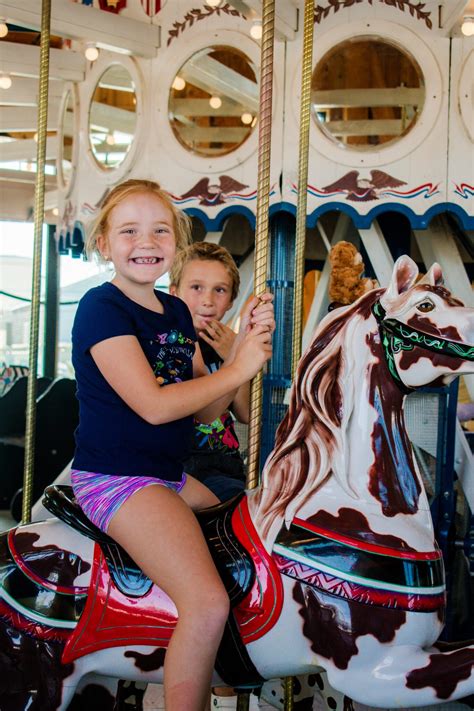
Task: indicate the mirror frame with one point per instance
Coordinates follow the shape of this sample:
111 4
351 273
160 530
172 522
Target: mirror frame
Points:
105 61
70 89
406 41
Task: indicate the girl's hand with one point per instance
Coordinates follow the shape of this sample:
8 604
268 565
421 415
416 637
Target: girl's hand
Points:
253 351
220 337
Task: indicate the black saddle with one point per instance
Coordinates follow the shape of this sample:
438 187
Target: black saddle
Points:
233 563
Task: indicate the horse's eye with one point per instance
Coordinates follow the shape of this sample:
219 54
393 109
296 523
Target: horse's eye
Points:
425 306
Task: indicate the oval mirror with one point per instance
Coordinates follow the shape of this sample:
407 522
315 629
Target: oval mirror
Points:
67 139
213 102
112 117
366 93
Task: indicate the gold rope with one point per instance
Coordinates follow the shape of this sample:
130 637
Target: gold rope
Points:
261 230
28 472
305 115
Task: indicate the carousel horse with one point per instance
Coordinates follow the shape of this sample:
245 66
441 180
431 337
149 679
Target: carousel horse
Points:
330 564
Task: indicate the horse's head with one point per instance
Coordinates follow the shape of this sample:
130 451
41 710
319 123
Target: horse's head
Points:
427 334
353 375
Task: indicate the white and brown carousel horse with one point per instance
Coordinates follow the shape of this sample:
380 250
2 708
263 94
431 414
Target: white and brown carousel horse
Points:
331 564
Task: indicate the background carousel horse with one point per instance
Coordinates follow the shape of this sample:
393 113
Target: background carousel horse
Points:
330 564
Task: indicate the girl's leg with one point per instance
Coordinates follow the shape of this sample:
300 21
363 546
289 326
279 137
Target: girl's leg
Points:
159 530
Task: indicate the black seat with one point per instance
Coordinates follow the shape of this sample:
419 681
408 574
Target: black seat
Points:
125 573
13 406
57 416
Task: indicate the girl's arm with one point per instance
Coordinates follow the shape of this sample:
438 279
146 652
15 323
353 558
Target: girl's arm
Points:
125 367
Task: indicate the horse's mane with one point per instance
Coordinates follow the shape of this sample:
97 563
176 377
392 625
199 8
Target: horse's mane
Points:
308 440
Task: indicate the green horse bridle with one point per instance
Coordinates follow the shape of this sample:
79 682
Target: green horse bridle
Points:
397 336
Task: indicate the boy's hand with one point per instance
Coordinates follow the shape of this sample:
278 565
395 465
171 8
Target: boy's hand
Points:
220 337
259 311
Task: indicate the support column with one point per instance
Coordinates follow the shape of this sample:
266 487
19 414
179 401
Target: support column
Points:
51 305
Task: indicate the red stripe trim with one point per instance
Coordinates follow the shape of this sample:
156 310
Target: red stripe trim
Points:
348 590
72 590
260 609
364 546
32 628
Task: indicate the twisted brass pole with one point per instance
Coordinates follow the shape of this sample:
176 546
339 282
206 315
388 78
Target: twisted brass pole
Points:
305 115
301 208
28 472
261 230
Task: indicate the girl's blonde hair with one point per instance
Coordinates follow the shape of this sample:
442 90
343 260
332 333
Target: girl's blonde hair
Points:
181 222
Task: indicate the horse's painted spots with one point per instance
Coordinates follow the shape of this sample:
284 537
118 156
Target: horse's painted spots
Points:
333 626
443 673
148 662
354 524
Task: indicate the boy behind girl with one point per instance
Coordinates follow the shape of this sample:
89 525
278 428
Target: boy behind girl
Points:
206 278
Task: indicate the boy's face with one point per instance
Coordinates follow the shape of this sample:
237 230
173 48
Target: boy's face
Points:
206 288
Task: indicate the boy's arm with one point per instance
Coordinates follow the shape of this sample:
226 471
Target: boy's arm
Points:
241 404
214 409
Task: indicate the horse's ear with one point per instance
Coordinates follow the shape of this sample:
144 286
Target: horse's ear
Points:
434 276
404 276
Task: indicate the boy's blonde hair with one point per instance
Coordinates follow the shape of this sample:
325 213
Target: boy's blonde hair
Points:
122 191
205 252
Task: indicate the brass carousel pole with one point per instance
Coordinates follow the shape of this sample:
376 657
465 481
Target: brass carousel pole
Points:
261 229
261 239
36 282
305 115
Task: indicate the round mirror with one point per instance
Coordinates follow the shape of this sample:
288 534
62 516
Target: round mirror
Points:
366 93
112 117
67 139
213 101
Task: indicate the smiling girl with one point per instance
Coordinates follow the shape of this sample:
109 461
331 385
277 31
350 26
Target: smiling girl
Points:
140 380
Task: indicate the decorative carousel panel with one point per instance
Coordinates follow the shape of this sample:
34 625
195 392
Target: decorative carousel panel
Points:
204 113
461 134
379 130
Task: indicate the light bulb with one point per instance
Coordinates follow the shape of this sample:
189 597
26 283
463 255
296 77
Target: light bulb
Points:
35 137
215 102
213 3
91 53
467 27
110 140
5 81
246 118
3 29
178 83
55 211
256 30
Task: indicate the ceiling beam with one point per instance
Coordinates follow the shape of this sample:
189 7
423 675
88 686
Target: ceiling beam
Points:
286 16
25 118
24 60
336 98
24 92
214 77
25 176
27 149
201 107
451 14
79 22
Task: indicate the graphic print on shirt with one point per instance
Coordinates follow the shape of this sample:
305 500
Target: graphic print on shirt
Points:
218 436
175 350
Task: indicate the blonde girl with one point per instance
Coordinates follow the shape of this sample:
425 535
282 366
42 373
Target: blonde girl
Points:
140 379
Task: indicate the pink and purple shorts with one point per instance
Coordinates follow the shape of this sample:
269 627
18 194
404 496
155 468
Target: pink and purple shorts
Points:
101 495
